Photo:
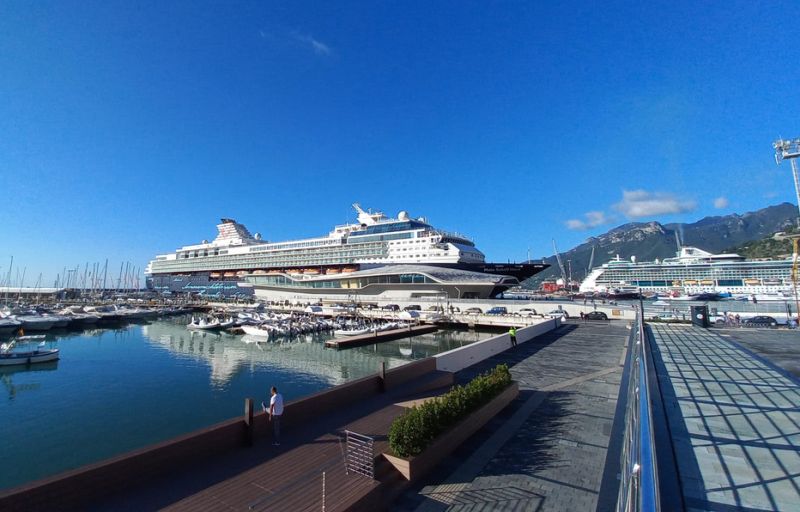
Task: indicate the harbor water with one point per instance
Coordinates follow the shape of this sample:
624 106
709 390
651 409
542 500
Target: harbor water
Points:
117 390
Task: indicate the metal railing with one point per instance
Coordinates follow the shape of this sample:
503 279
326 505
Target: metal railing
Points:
317 476
360 456
639 489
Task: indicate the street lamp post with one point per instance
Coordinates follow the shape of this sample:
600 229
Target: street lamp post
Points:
790 150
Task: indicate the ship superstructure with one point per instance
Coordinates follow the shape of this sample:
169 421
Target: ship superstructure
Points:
374 240
694 271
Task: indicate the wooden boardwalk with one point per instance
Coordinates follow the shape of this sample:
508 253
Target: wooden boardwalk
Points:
286 477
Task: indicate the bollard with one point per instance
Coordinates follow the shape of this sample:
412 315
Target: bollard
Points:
248 422
383 376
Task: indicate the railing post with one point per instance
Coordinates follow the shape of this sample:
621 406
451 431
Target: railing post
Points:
383 376
248 422
323 491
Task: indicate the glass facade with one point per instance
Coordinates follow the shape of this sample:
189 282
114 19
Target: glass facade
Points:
340 281
389 227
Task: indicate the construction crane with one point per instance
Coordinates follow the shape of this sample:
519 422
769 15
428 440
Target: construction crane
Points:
560 264
591 262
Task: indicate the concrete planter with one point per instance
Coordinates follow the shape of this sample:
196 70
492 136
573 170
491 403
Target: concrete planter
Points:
415 467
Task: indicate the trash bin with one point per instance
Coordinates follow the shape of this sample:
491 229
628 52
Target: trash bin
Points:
700 316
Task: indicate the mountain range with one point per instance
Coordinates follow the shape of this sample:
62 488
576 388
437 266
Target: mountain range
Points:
647 241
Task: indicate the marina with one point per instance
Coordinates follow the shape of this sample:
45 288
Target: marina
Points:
156 380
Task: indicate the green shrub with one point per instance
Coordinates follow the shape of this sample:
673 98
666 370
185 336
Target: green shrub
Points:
419 425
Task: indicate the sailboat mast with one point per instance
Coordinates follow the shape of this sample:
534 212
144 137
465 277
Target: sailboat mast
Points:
105 273
8 279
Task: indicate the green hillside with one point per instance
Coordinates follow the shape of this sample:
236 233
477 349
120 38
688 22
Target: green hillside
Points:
768 247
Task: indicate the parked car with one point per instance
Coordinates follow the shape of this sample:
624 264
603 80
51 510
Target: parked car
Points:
596 315
526 312
761 321
558 313
473 311
391 307
413 307
498 310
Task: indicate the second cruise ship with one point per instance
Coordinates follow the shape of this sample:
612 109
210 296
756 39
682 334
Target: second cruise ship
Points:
374 241
695 272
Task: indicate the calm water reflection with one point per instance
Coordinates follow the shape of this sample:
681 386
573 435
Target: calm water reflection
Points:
116 390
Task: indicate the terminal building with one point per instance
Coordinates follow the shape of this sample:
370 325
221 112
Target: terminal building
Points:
387 282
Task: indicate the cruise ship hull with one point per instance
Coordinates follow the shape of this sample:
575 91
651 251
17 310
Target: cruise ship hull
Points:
199 284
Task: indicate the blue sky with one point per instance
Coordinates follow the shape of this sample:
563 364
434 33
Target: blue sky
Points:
129 128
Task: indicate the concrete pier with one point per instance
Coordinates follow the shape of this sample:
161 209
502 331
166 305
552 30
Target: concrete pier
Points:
380 336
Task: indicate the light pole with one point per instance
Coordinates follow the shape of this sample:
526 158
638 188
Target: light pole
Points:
790 150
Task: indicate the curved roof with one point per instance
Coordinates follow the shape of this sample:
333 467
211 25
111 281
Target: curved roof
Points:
441 274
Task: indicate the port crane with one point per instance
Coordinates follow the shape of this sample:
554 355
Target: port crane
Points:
560 264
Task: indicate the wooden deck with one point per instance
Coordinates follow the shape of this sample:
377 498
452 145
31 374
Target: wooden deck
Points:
379 337
287 477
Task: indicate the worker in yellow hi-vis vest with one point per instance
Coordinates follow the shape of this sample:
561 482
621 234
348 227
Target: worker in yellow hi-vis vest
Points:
512 333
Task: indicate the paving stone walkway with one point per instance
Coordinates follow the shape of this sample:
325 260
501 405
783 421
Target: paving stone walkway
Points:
734 419
547 451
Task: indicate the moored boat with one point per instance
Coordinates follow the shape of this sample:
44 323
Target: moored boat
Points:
10 358
9 325
352 332
257 330
35 322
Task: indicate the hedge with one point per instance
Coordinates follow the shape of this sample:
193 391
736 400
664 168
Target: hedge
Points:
419 425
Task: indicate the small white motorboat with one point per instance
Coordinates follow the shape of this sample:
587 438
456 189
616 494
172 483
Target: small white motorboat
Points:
204 325
255 330
352 332
40 355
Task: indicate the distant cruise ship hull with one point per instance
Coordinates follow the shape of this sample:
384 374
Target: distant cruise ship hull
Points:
694 272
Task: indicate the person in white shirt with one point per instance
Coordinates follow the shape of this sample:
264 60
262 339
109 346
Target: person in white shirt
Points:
275 412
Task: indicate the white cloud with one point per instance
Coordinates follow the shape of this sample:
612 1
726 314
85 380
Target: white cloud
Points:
593 219
319 47
721 202
636 204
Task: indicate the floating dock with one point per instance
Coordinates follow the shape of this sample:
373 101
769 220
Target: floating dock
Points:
380 336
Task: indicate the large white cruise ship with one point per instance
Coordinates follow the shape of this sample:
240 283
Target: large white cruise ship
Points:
374 240
694 271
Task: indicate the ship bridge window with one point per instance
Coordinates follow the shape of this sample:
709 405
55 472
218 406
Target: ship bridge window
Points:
394 226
